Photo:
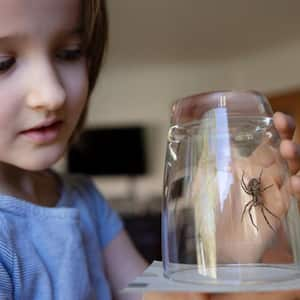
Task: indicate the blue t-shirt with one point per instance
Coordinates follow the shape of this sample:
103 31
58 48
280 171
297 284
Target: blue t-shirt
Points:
56 253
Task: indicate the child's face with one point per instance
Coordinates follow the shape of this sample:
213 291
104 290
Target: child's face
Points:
43 80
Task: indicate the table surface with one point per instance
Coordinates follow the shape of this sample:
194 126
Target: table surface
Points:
152 280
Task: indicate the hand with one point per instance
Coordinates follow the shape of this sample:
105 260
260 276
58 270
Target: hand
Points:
259 223
289 150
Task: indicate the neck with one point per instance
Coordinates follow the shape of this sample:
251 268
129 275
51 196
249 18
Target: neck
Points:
38 187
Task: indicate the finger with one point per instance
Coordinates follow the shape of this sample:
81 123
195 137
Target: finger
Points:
285 125
291 153
295 186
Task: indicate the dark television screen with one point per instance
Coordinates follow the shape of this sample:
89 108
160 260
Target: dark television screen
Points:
109 151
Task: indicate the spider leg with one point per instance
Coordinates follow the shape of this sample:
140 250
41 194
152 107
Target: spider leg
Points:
260 181
270 212
251 218
244 185
263 213
246 191
267 187
245 207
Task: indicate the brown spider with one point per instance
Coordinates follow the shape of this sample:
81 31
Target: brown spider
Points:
254 189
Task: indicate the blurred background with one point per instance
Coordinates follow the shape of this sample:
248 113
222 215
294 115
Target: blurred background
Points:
162 50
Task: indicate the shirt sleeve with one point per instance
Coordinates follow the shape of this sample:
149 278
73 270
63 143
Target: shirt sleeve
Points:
109 222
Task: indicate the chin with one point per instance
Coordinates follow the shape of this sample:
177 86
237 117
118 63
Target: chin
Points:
40 162
37 165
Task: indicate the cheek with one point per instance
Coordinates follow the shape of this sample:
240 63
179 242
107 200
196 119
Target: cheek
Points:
77 93
10 105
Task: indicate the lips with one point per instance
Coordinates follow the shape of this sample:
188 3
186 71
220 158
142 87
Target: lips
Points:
44 124
44 132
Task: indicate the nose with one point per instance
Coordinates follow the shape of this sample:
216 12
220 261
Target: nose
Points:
46 91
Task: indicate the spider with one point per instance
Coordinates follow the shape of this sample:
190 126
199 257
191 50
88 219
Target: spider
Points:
254 189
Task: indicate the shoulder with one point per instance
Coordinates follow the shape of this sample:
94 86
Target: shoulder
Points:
78 181
108 222
81 193
79 186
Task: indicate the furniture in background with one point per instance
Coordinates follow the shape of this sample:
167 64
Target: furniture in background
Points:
109 151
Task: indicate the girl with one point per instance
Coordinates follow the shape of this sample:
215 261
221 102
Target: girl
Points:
58 237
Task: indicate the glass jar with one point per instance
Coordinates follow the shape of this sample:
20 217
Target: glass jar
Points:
228 215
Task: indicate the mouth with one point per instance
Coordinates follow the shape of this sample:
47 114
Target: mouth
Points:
45 132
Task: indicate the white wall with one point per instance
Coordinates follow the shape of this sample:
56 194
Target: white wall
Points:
276 68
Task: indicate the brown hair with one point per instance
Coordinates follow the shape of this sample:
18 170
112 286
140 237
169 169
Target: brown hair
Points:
94 22
95 31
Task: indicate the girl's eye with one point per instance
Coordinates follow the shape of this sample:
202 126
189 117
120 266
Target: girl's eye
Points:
69 54
6 64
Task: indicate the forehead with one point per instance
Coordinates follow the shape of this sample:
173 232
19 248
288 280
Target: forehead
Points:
38 16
